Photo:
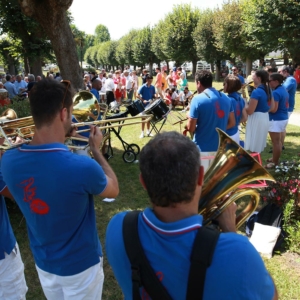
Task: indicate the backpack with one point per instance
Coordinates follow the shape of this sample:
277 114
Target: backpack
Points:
271 215
142 273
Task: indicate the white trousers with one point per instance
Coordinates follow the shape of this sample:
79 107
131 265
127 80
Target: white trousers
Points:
206 159
86 285
12 281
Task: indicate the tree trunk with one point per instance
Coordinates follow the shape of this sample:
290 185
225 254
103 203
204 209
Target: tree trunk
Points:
51 15
194 67
218 70
212 67
11 65
150 68
248 66
26 65
36 66
285 59
168 68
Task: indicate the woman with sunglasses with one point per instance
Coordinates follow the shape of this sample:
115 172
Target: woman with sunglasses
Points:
261 102
232 85
278 117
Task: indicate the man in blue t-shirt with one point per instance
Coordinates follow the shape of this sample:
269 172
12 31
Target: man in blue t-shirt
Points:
172 174
209 110
146 94
290 84
54 189
12 279
96 87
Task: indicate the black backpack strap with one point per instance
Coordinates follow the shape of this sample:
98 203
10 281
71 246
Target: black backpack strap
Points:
201 257
142 273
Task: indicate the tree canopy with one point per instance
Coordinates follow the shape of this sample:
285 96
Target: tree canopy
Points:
101 34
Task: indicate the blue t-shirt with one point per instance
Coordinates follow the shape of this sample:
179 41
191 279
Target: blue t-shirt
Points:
290 85
241 78
238 105
211 109
20 85
147 92
237 268
54 189
95 93
263 103
281 96
7 238
11 88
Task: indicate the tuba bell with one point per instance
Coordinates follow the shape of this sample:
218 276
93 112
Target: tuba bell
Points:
232 167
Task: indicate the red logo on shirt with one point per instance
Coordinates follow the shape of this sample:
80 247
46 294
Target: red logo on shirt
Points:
287 102
220 113
37 206
145 295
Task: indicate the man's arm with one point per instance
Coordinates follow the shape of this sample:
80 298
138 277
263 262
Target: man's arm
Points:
6 193
112 188
191 125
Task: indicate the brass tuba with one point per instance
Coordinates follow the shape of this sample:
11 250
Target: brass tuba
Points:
232 167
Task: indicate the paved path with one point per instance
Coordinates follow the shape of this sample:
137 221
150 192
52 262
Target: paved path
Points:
295 119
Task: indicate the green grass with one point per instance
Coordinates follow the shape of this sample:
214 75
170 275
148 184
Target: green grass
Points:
285 268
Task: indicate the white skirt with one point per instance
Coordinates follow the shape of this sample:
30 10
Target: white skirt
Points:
256 132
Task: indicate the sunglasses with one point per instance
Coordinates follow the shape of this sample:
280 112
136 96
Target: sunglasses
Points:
67 83
234 69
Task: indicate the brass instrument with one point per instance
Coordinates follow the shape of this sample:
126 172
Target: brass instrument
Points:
85 110
232 167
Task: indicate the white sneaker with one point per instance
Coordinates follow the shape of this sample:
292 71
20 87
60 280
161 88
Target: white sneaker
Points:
149 134
184 110
142 135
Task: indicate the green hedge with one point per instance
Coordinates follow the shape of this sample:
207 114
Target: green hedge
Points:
21 107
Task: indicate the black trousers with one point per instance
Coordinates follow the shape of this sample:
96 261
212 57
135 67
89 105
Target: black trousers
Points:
109 97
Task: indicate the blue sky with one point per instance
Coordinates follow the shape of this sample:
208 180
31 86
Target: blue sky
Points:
119 16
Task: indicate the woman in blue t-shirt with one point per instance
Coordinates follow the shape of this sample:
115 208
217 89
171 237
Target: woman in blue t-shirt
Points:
261 102
278 117
232 84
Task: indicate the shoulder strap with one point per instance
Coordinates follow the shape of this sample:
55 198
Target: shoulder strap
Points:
142 273
201 257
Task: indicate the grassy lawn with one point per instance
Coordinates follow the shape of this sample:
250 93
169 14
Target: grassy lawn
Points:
284 267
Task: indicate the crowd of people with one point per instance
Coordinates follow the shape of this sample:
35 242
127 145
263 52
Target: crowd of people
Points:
60 212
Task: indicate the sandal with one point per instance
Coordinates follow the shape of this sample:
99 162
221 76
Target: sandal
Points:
270 165
269 160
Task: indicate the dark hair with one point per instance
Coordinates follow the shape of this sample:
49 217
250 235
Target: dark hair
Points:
8 77
149 77
157 68
46 100
204 77
233 83
278 77
169 165
264 77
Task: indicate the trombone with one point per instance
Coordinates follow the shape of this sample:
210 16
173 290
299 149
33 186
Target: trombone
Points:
85 104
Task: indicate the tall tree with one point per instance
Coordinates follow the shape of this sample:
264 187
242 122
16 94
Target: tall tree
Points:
52 16
125 48
231 35
101 34
178 41
206 43
159 34
35 46
142 52
275 23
